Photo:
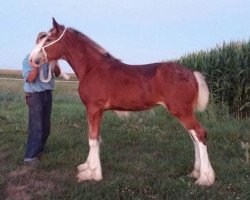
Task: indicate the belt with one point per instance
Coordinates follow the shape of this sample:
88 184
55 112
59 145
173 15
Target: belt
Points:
45 91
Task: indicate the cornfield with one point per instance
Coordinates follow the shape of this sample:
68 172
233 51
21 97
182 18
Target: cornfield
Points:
227 72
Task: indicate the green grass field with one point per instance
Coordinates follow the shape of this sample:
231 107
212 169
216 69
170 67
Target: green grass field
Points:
146 156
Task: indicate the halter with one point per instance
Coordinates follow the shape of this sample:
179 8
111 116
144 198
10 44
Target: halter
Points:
58 39
52 63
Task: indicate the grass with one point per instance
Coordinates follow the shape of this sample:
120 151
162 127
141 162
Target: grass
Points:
146 156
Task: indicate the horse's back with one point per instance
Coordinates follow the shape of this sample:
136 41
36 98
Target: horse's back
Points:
151 84
138 87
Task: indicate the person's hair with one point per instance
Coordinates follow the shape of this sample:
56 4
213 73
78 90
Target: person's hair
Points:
41 35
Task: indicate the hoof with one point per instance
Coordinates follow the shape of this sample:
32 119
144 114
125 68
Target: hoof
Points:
205 180
86 173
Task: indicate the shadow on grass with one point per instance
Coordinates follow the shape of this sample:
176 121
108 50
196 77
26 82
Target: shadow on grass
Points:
27 182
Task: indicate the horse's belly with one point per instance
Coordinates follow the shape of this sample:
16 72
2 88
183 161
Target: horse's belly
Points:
132 102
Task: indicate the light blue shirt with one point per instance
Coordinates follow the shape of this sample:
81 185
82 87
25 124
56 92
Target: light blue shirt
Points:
37 85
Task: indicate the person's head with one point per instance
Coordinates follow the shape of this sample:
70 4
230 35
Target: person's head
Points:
41 36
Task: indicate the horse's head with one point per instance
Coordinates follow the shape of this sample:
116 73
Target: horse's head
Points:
51 47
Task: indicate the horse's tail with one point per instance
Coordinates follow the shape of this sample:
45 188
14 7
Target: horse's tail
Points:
203 92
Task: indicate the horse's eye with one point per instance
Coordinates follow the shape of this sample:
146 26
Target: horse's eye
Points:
48 40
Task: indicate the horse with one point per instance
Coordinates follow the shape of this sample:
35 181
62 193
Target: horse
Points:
106 83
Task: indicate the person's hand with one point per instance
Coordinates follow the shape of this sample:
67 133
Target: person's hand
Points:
33 64
27 98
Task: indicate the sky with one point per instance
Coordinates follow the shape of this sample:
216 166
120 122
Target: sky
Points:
135 31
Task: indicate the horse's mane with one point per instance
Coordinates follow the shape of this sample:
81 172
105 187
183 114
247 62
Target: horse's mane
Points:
91 43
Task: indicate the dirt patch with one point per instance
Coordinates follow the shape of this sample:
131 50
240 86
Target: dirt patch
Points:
28 182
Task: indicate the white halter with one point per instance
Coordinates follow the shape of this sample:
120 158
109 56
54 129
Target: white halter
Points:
52 63
58 39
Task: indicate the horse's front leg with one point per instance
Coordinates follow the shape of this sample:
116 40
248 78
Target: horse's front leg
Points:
91 169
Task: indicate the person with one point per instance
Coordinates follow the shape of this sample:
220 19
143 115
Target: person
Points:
39 100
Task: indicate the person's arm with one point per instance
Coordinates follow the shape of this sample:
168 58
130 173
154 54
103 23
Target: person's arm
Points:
29 73
57 70
32 75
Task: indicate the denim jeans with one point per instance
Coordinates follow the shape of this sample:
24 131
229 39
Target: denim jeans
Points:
40 104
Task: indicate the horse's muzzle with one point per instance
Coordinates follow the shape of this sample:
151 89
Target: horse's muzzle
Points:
37 61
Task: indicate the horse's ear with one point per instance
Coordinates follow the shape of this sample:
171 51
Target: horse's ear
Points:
55 26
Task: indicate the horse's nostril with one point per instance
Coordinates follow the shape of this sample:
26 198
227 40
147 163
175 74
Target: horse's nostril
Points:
37 61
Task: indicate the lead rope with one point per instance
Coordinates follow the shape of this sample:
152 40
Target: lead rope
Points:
52 63
51 67
41 75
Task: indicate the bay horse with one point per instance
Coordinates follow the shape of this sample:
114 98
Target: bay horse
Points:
106 83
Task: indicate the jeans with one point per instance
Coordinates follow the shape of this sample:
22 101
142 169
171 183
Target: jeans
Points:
40 104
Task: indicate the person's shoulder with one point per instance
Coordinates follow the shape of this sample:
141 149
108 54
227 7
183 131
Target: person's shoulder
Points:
26 61
26 57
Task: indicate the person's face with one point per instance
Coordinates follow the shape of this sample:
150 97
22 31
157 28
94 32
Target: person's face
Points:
39 40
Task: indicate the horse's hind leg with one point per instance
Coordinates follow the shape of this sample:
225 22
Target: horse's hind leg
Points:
203 170
207 176
91 169
196 172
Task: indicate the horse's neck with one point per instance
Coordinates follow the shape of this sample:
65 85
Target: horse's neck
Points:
82 60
